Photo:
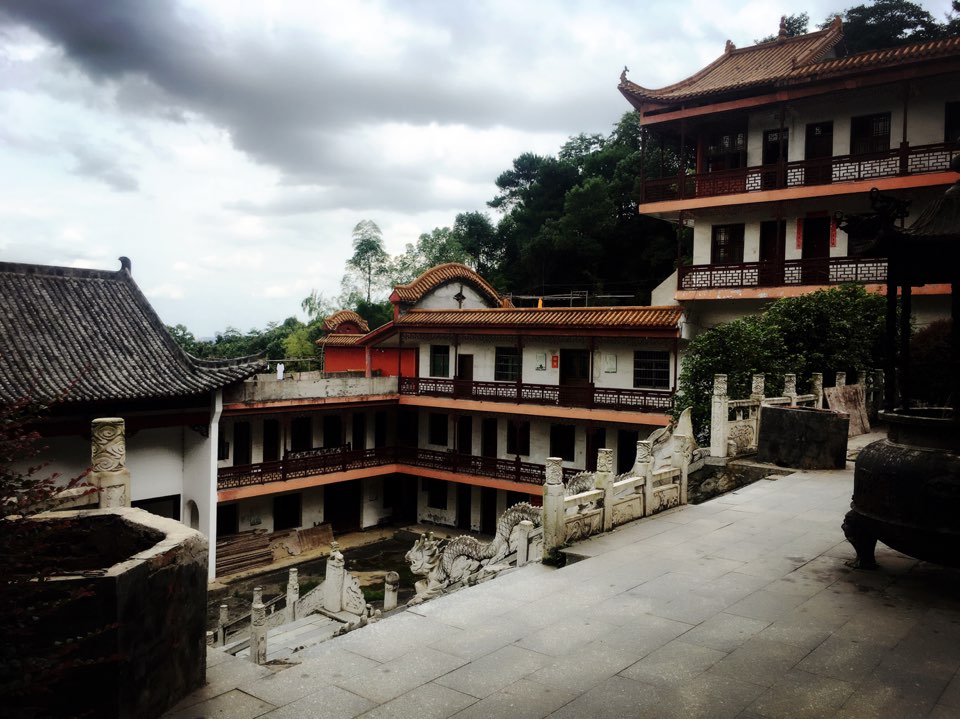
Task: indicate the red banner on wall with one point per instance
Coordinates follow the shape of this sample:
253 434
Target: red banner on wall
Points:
799 233
833 232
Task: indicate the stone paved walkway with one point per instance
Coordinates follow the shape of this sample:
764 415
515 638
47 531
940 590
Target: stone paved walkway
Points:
740 607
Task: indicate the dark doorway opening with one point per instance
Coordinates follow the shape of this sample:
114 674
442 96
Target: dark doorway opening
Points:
626 449
358 437
380 429
464 506
773 237
465 435
228 519
241 443
332 430
271 440
774 158
816 251
341 506
463 386
488 510
168 506
301 434
596 440
287 511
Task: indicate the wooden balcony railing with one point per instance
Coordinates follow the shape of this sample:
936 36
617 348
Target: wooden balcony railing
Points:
827 271
905 160
637 400
342 459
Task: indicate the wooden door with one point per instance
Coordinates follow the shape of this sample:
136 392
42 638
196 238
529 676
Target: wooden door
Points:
271 440
465 435
464 506
463 386
341 506
818 154
774 151
488 437
241 443
816 251
772 250
488 510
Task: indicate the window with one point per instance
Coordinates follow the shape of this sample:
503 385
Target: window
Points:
242 444
651 369
563 441
726 150
437 430
223 446
870 133
301 434
436 490
439 360
951 123
518 438
507 365
727 245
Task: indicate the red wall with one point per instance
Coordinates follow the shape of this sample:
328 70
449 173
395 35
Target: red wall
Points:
352 359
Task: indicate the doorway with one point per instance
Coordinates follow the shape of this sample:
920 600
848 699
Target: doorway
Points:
465 435
626 449
358 437
818 154
241 443
488 510
287 511
774 159
773 237
228 519
271 440
341 506
816 251
575 378
464 506
463 385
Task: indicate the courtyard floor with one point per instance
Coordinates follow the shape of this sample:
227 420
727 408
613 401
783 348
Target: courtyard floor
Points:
743 606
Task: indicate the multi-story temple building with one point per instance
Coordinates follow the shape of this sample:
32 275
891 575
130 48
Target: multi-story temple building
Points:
446 414
761 149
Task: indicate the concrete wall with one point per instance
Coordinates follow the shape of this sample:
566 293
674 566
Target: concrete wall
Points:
257 512
308 385
442 298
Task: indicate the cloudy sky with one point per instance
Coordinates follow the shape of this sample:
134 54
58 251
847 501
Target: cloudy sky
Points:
228 147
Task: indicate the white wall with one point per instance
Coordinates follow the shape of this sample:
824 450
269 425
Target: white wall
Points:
448 516
441 298
372 509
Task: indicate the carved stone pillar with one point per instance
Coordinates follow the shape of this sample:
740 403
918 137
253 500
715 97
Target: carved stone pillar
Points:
603 479
683 453
816 389
790 387
293 595
719 429
554 516
757 387
333 581
391 588
645 468
841 379
258 628
222 625
108 458
523 541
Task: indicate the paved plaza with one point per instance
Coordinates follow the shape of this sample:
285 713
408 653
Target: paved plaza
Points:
740 607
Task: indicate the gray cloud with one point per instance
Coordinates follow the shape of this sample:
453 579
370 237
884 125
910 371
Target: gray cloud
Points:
102 164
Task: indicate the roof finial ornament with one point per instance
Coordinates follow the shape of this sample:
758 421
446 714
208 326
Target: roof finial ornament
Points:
782 35
729 47
125 264
623 75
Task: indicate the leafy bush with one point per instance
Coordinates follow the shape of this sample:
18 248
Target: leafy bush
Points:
930 364
828 331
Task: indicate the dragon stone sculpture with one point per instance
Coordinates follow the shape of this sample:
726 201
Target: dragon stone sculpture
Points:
446 564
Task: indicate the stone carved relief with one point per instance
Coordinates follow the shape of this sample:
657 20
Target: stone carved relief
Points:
742 438
444 564
720 385
628 510
108 448
583 525
664 498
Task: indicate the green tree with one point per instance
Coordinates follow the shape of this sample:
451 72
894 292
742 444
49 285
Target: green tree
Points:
432 248
478 238
886 23
185 339
316 306
839 329
369 257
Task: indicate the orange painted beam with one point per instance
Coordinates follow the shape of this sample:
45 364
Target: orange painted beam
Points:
612 416
884 184
278 405
293 485
774 293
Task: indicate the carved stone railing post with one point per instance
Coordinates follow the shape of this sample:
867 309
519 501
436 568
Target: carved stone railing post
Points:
816 389
719 427
645 468
523 541
603 479
293 595
258 628
682 454
790 388
554 516
841 379
391 588
757 387
221 635
333 581
109 455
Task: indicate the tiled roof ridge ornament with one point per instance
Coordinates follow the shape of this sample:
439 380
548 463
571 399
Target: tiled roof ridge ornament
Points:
729 47
623 75
782 34
125 264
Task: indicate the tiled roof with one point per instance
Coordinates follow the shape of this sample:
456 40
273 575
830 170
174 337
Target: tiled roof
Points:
894 56
93 335
334 321
436 276
339 340
744 67
566 318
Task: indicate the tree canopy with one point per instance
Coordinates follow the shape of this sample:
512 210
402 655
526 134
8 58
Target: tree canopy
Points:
890 23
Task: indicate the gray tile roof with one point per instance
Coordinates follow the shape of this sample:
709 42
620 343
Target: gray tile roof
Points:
91 335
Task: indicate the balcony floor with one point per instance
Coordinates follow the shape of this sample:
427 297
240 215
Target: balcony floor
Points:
739 607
